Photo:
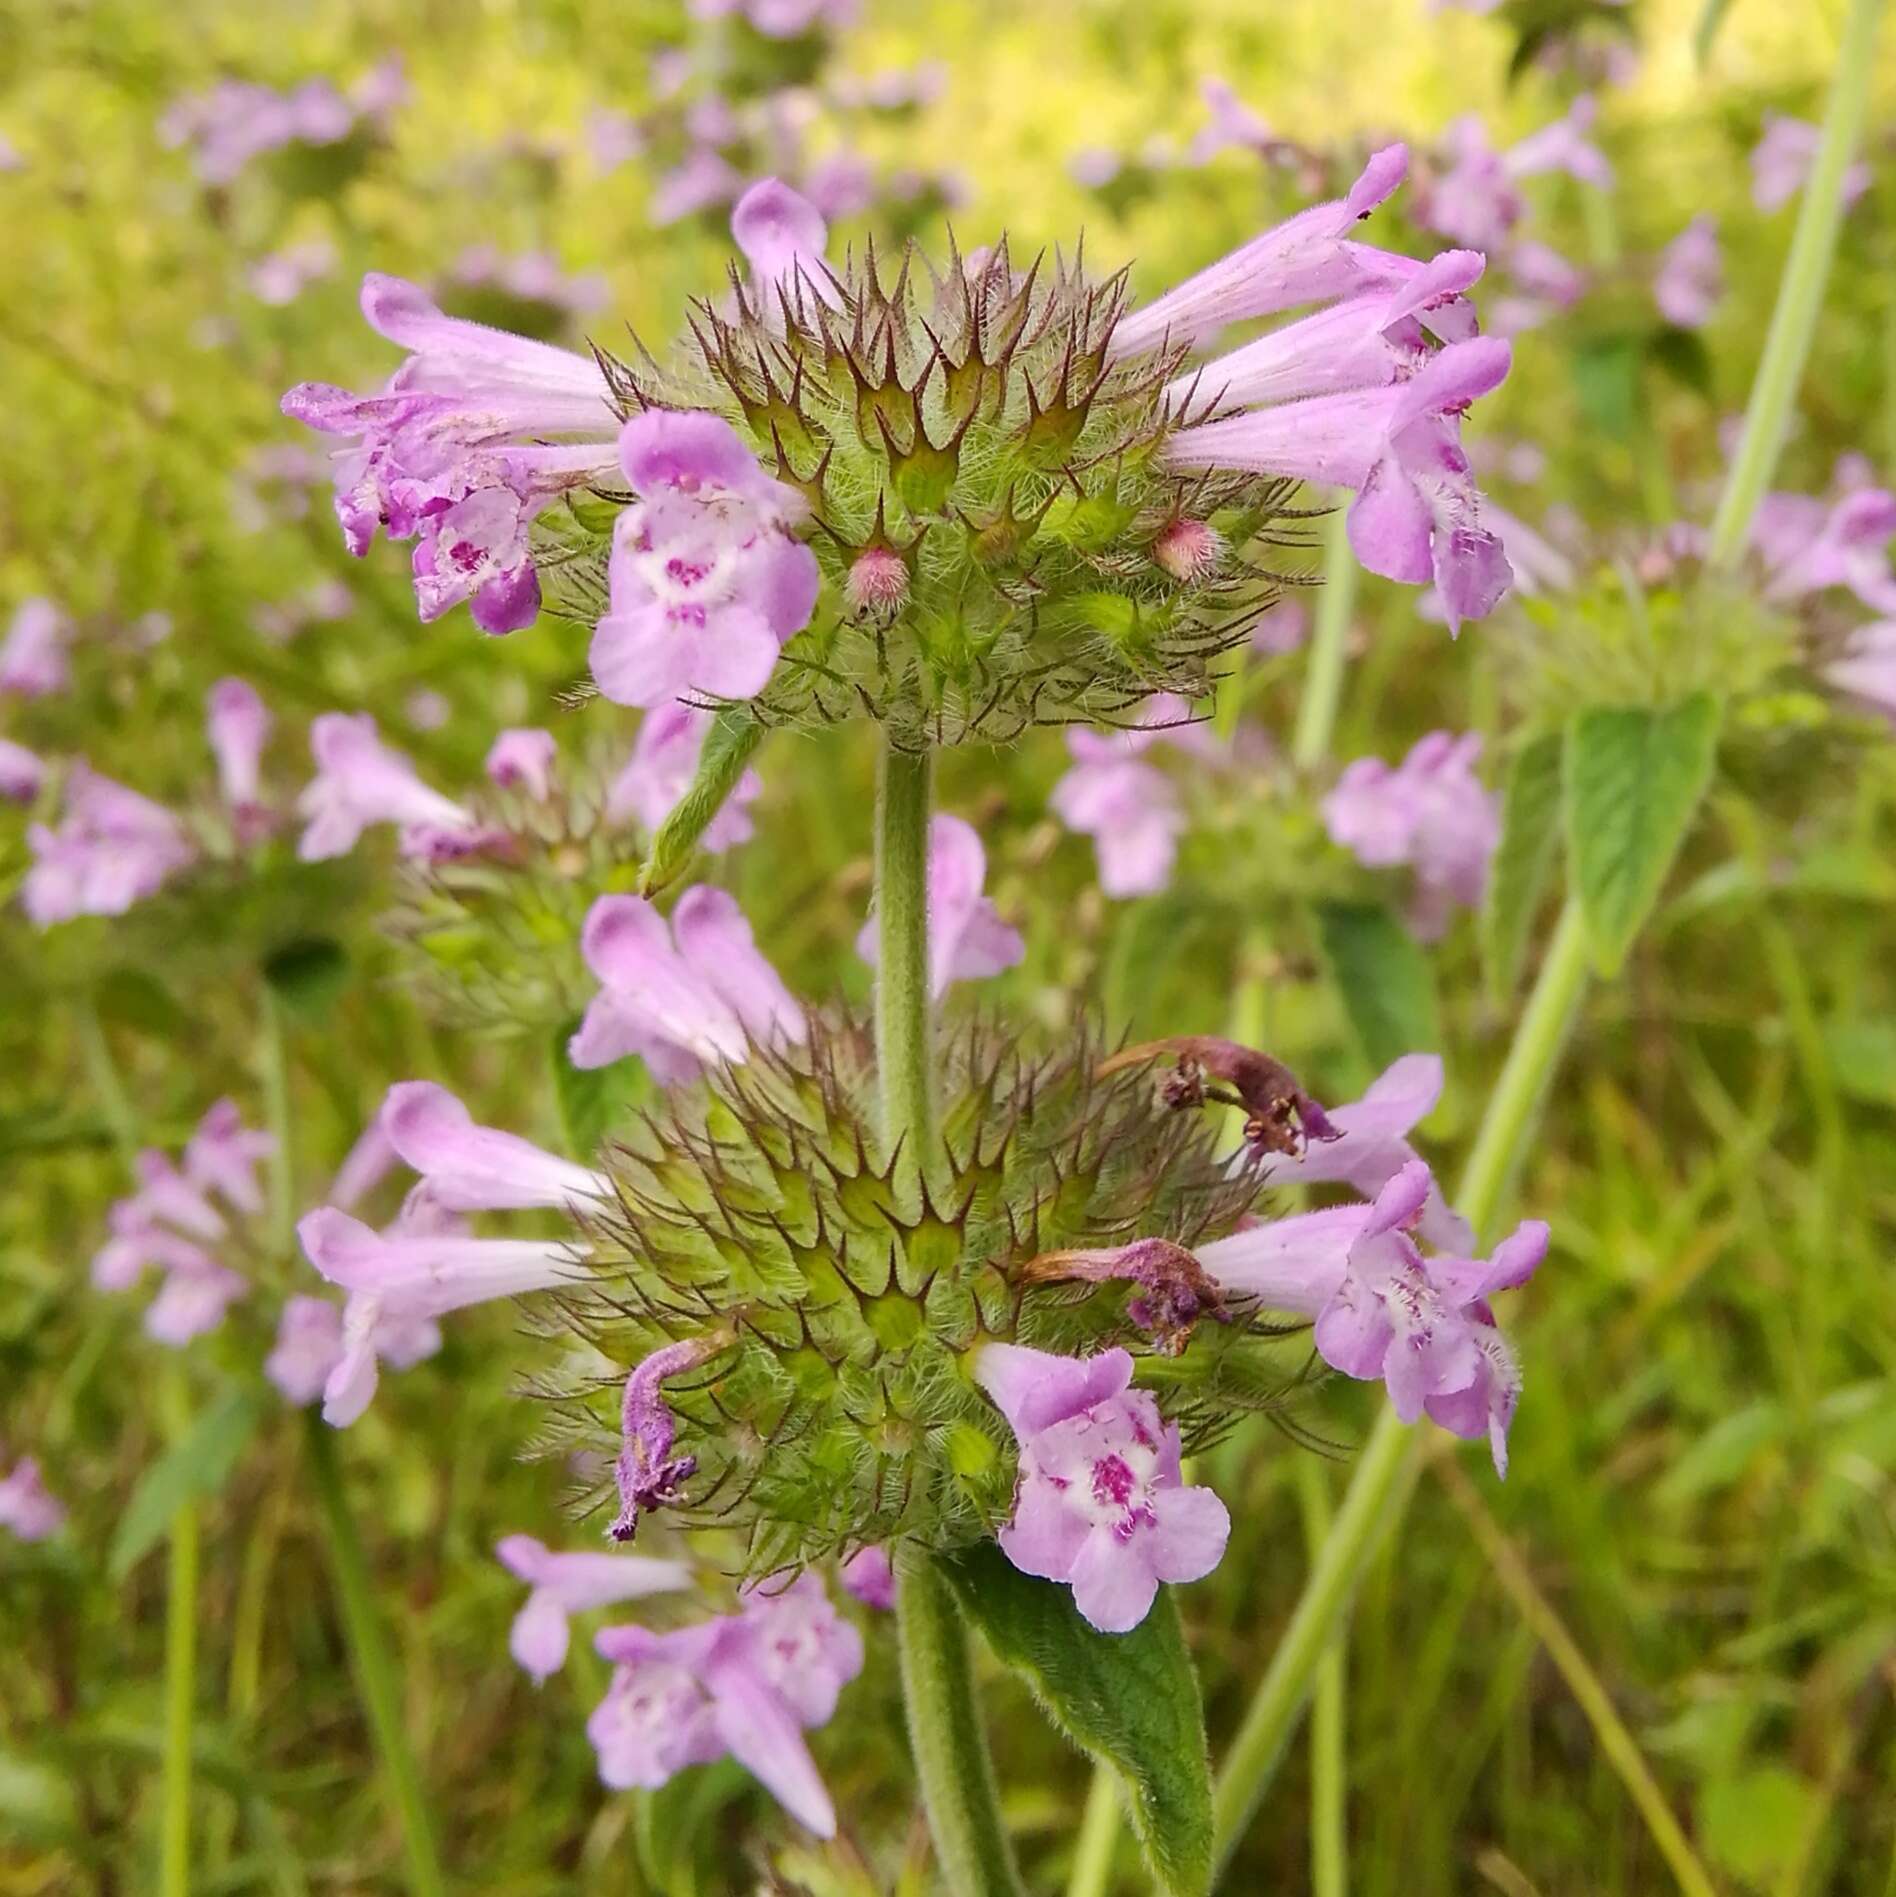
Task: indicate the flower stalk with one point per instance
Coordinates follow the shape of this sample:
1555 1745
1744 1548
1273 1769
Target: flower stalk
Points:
1323 681
1391 1456
945 1736
1800 291
374 1669
904 1015
181 1586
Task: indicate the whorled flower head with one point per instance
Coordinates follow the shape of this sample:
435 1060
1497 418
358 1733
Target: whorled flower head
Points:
1023 501
797 1321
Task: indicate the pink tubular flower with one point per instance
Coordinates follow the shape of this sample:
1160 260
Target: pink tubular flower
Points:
966 937
1781 161
1417 514
113 848
747 1684
1431 812
33 661
366 1164
28 1508
21 773
683 996
522 759
1366 341
1691 274
192 1301
1810 544
238 725
565 1584
782 235
1128 807
475 434
1306 259
664 760
223 1154
307 1350
1383 1310
1474 196
1100 1502
706 581
1867 669
1371 1145
403 1280
869 1577
359 781
469 1168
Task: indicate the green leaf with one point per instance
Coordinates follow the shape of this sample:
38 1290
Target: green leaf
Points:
1517 879
1634 778
729 747
1130 1700
197 1464
1681 354
308 974
1755 1822
1384 977
594 1101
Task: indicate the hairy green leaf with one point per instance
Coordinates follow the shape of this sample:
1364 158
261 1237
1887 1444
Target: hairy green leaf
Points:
1634 779
1517 878
1130 1700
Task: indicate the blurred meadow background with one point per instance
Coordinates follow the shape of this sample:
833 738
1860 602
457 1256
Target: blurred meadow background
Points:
1685 1592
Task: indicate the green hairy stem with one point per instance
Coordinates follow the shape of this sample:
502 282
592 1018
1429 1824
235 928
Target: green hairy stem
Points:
950 1749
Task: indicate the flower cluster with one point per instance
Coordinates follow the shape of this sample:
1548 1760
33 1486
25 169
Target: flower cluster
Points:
744 1685
1011 499
237 122
172 1223
1430 812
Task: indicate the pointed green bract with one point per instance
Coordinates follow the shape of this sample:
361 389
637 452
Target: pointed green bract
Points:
729 746
1131 1701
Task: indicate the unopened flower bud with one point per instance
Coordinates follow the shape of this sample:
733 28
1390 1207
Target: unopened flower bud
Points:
1188 550
878 584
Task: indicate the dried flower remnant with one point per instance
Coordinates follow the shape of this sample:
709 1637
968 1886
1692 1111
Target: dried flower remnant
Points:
1281 1118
